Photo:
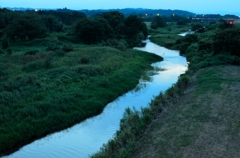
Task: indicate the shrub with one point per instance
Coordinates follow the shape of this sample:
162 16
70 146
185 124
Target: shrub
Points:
67 48
31 52
9 51
1 51
227 40
116 44
84 60
5 43
158 22
182 22
198 28
52 47
47 62
60 53
34 65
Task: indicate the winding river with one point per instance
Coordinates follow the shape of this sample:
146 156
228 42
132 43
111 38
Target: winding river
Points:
87 137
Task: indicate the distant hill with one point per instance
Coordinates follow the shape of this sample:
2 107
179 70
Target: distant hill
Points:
136 11
128 11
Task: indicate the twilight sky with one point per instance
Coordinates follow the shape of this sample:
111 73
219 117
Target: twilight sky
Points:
202 6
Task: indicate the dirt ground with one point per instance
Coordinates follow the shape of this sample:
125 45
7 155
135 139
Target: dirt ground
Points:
205 123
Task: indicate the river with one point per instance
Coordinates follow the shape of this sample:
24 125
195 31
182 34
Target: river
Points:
87 137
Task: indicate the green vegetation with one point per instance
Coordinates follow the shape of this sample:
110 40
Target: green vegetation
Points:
168 36
50 79
195 117
204 122
166 40
111 25
158 22
134 123
46 91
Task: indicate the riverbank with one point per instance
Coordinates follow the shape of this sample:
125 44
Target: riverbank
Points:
204 122
43 91
194 118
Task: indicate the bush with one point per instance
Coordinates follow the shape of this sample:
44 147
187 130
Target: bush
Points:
116 44
34 65
197 28
158 22
9 51
227 40
84 60
5 43
182 22
1 51
52 47
31 52
67 48
185 42
60 53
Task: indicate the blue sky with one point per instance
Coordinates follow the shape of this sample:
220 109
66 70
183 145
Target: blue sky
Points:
203 6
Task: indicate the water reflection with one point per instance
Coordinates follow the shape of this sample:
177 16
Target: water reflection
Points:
87 137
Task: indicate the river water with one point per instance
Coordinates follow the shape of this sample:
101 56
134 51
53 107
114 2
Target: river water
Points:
87 137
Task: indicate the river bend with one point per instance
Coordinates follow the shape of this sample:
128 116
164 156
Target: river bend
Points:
87 137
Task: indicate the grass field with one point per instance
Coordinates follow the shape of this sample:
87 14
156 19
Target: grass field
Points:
166 40
47 85
203 123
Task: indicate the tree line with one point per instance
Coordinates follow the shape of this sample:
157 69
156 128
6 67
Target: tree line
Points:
29 25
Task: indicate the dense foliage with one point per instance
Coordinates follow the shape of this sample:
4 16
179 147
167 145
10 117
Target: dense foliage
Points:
214 47
92 31
49 78
158 22
30 25
25 27
111 25
227 40
46 91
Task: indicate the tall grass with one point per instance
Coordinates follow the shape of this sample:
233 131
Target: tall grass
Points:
44 91
134 123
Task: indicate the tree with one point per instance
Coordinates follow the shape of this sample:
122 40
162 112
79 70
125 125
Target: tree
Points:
106 29
134 25
197 28
52 23
185 42
25 27
116 21
135 30
227 40
92 31
182 22
223 24
114 18
158 22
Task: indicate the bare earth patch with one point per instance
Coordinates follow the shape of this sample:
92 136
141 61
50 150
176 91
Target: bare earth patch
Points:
204 123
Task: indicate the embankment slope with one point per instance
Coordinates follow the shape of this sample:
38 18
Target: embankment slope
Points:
205 122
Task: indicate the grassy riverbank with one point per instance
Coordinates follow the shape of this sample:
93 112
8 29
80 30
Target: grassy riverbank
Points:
45 90
198 116
168 36
204 122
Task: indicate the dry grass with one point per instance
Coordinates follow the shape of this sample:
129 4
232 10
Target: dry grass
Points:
204 123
